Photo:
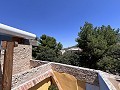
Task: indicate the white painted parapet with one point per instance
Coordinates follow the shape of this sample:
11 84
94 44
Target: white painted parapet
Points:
104 83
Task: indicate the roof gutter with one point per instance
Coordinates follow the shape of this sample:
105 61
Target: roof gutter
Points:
16 32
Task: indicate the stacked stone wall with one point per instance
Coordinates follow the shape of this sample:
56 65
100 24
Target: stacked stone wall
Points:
36 63
29 75
21 58
39 73
83 74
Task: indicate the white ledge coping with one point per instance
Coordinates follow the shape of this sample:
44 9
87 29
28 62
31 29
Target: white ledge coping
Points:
105 79
16 32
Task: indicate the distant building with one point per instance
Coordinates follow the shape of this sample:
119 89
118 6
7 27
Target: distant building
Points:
72 49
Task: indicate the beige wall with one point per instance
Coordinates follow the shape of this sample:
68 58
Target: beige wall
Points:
68 82
21 58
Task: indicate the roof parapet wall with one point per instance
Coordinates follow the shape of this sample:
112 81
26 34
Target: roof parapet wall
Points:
37 74
105 84
82 74
30 76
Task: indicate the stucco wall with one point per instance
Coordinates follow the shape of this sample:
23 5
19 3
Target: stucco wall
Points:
21 58
69 82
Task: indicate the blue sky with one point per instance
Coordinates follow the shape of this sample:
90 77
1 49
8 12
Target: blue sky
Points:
59 18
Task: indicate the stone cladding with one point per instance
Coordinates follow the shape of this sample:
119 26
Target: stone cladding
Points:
29 78
21 58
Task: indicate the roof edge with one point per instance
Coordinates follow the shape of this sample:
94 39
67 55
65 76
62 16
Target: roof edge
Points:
16 32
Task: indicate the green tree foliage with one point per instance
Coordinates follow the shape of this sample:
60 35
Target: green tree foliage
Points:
48 49
53 87
100 48
69 57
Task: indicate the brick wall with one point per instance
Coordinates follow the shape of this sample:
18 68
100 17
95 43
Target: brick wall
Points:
21 58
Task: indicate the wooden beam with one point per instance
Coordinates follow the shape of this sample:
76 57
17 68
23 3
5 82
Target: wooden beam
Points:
8 66
18 39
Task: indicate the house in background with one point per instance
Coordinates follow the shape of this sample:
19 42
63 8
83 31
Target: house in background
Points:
72 49
20 72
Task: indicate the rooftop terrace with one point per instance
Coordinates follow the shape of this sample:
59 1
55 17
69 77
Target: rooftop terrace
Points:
39 75
65 77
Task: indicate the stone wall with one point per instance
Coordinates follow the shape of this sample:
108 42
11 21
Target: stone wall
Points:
29 78
34 76
21 58
83 74
36 63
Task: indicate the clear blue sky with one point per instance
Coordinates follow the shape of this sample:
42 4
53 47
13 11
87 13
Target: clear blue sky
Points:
59 18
